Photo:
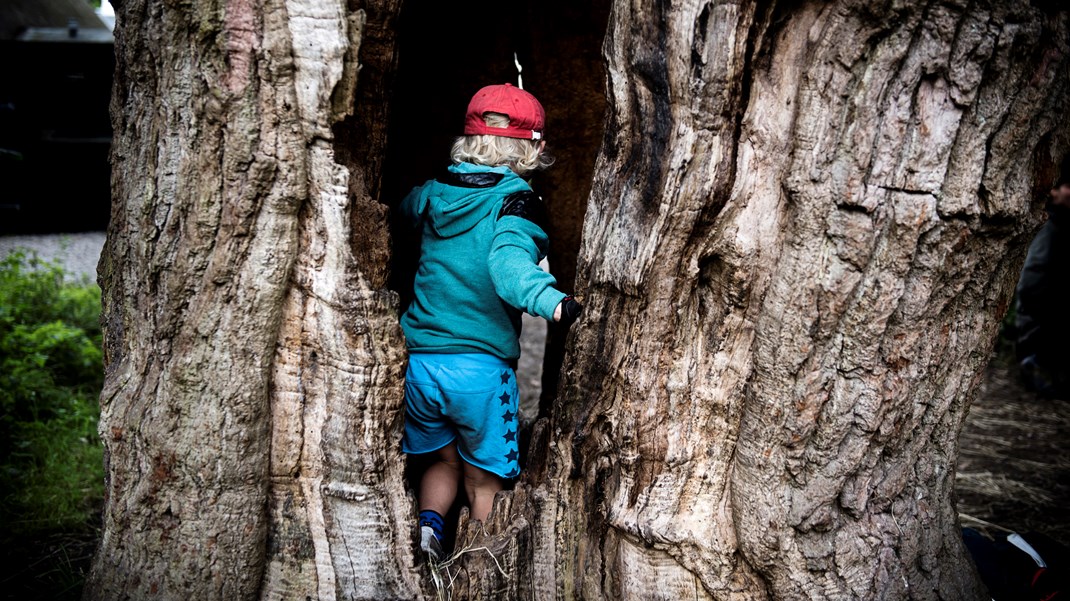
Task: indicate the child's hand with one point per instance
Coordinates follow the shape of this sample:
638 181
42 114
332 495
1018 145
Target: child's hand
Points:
567 311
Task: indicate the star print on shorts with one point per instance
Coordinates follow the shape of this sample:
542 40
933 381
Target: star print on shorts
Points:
511 425
468 398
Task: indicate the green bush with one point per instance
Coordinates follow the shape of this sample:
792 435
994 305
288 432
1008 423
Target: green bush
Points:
51 373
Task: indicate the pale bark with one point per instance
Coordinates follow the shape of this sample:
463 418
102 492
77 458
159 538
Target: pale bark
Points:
250 415
795 259
804 226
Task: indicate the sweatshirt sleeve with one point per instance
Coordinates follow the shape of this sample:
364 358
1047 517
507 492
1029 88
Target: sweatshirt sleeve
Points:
411 206
516 249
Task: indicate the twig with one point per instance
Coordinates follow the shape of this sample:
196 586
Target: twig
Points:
443 588
964 516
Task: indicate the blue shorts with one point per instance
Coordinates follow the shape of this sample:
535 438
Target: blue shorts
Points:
471 398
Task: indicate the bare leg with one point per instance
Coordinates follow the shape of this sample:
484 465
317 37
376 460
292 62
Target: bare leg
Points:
481 487
438 487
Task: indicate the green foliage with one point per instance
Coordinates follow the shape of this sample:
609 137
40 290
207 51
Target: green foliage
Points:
51 373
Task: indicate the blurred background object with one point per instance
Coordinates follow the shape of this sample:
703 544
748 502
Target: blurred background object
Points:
1042 319
55 132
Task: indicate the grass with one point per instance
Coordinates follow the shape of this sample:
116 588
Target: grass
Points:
51 459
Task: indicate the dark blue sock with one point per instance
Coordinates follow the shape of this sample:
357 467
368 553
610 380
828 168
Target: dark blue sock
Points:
430 517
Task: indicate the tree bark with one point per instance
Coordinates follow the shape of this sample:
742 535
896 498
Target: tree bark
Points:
803 228
250 412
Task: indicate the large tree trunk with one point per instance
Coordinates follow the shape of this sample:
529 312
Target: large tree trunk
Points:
804 226
250 415
794 282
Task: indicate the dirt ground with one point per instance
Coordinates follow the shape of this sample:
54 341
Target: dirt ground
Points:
1014 469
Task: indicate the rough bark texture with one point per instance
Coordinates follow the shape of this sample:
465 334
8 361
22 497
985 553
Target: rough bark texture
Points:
805 225
803 228
795 260
250 414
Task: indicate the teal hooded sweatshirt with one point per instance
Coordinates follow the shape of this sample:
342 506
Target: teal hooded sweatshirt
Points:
478 269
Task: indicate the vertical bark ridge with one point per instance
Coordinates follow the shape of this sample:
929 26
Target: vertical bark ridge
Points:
340 528
250 414
782 334
654 480
199 249
862 378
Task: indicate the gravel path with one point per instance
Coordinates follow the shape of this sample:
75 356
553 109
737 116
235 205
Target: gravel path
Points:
77 253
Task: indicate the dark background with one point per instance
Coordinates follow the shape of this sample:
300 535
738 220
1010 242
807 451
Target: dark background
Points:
55 131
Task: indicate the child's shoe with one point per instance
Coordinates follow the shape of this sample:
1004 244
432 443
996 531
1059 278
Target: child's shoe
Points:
430 543
431 526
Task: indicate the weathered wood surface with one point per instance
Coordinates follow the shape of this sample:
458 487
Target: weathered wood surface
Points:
804 225
794 281
338 529
254 359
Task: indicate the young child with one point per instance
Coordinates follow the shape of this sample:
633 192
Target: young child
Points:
482 237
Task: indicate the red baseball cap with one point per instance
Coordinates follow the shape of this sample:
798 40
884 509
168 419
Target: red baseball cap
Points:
526 115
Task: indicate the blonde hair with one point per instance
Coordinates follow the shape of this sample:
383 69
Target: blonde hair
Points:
522 156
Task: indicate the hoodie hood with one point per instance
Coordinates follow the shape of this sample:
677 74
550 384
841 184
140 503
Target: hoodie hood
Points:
459 199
